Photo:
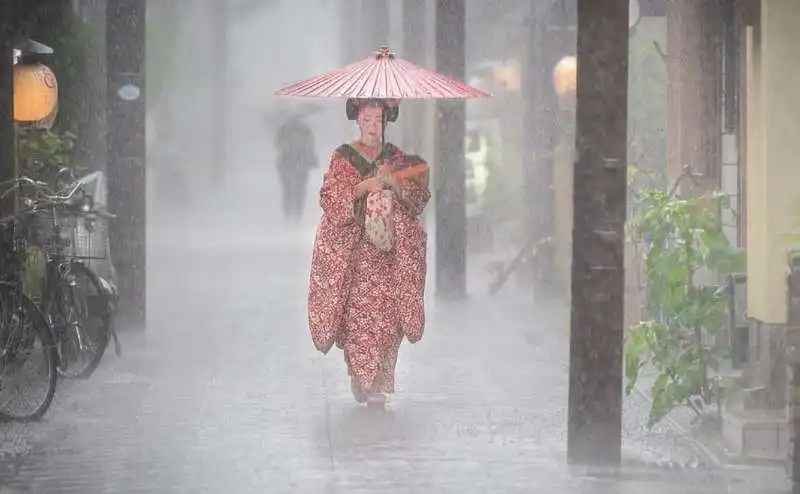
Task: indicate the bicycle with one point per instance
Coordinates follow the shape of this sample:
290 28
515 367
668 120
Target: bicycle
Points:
75 301
23 327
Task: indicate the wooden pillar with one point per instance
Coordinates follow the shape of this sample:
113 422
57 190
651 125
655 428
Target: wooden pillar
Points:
694 126
534 84
747 15
449 179
599 195
125 40
95 97
7 130
414 50
544 46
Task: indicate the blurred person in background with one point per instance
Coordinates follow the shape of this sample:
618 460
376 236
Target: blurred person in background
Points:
367 284
294 142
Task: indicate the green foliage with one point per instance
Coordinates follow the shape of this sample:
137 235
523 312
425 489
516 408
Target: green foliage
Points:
683 238
680 238
45 155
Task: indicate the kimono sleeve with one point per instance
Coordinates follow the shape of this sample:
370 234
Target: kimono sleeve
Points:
415 194
337 195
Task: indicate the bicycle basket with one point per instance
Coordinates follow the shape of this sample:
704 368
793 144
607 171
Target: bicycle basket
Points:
79 236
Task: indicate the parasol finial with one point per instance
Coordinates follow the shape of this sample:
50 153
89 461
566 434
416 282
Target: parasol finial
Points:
384 52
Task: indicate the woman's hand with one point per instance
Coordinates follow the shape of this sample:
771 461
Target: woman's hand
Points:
387 179
368 185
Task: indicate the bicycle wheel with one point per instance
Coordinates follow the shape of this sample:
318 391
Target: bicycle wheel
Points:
26 344
83 319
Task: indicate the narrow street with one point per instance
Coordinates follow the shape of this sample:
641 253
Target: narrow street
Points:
589 130
224 392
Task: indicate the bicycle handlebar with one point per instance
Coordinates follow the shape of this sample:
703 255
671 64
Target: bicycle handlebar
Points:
16 183
46 198
42 190
59 198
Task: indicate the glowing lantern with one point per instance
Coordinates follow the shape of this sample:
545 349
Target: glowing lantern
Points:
35 92
565 77
508 76
48 121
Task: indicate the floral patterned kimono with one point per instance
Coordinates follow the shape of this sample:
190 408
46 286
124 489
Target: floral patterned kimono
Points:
362 298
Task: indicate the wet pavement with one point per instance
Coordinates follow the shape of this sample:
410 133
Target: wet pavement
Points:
224 392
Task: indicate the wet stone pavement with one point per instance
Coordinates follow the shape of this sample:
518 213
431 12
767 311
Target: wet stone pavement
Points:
224 393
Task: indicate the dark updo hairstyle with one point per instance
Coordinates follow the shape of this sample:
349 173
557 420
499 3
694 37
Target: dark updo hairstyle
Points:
353 105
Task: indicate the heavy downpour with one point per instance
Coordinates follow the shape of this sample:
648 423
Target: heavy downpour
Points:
406 246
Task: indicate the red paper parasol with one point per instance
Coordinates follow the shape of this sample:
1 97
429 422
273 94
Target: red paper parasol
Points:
382 76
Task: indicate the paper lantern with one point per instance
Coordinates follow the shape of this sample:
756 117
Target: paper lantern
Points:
48 121
565 77
35 92
508 77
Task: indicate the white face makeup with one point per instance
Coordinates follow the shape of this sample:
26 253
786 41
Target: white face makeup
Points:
370 123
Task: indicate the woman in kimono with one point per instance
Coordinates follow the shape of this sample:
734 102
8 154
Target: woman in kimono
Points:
363 295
